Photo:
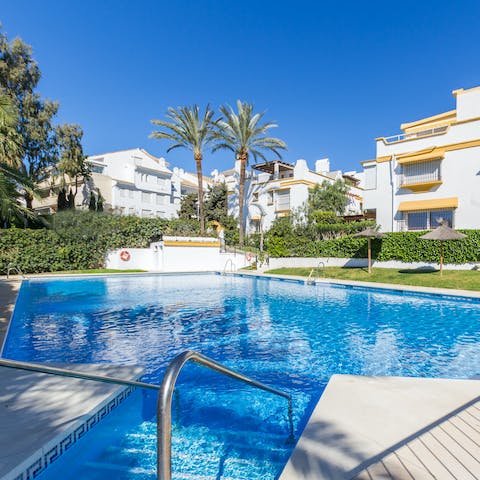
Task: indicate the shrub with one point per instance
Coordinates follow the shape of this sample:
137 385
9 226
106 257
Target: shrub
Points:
403 246
81 240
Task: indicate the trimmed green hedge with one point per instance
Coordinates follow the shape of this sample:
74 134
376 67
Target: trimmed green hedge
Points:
403 246
81 240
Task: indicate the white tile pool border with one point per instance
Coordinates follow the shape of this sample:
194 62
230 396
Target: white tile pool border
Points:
448 293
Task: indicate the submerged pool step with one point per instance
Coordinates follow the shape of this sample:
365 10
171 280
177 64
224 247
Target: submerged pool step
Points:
198 453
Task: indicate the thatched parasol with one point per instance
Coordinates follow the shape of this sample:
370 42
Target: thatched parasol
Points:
443 233
369 233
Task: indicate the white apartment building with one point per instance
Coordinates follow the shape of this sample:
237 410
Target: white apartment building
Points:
131 182
430 172
140 184
273 189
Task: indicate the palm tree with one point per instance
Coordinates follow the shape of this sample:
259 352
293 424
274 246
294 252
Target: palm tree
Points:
185 129
243 134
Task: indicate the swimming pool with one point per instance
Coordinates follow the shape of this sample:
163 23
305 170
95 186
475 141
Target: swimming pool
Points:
285 334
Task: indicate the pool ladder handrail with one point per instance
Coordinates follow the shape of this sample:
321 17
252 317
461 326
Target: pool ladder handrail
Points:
233 267
16 268
313 280
166 390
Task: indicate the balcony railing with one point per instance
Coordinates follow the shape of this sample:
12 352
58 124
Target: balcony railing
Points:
415 135
420 173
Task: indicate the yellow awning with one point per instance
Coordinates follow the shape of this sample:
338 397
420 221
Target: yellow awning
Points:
433 204
422 156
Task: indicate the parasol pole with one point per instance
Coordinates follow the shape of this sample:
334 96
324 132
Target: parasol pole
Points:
441 258
369 255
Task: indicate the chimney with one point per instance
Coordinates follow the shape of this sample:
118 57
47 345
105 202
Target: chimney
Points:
322 165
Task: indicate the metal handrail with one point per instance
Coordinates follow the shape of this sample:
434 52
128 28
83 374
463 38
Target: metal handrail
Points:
233 266
14 267
35 367
164 406
313 280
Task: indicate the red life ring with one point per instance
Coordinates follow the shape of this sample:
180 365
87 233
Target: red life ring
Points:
248 256
125 255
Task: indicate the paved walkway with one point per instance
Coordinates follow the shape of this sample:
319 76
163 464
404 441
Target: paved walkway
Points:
38 410
369 428
8 295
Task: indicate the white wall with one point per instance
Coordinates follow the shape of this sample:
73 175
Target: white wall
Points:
299 262
175 259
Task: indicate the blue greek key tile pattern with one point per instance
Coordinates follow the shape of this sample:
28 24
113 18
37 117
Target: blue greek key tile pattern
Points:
40 463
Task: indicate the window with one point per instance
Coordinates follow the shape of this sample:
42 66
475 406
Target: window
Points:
123 192
270 197
97 168
130 193
255 197
145 197
146 213
370 177
160 199
131 211
420 173
283 200
427 220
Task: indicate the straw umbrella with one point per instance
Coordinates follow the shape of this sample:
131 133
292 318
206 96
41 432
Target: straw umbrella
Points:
443 233
369 233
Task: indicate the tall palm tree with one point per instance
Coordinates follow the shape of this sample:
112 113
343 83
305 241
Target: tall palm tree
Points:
243 134
185 129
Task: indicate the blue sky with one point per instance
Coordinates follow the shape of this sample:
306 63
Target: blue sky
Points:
333 75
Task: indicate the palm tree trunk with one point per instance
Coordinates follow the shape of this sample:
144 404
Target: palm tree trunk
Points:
201 213
243 156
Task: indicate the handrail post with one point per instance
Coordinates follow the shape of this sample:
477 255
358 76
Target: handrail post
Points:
164 405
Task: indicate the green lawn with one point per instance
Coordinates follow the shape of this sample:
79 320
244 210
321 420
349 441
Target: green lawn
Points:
460 279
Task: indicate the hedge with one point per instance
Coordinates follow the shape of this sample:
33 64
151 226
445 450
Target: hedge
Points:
403 246
81 240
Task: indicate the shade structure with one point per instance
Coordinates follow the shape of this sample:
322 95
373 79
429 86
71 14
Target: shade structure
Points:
443 233
369 233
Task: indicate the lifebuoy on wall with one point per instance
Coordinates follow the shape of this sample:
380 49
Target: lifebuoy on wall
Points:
248 256
125 255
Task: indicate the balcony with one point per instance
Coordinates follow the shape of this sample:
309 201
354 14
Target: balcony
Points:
415 135
420 177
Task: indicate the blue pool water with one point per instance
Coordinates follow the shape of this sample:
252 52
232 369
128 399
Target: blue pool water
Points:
288 335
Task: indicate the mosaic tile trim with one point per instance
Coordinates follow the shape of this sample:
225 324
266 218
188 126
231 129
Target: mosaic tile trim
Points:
40 463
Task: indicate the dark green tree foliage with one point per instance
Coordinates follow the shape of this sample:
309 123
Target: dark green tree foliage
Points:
72 165
92 204
11 180
62 202
328 197
188 207
19 77
71 200
216 207
100 202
